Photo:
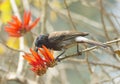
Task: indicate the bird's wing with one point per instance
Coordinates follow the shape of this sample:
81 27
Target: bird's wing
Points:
64 35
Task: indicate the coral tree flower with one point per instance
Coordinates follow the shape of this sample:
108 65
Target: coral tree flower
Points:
37 63
18 28
40 62
49 58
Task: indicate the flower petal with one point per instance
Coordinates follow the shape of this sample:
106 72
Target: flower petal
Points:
26 18
28 58
15 25
18 22
48 53
13 33
37 63
44 54
33 24
11 30
36 56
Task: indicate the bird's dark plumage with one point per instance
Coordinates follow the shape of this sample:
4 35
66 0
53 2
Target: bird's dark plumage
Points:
58 40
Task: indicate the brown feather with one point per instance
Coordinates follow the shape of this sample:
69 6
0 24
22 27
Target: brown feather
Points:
65 35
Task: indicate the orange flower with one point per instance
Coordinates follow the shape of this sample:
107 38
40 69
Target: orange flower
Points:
18 28
40 62
49 58
37 63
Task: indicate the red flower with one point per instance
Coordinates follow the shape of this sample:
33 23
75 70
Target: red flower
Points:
40 62
49 58
18 28
37 63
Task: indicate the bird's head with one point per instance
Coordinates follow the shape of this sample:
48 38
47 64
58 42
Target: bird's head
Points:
40 40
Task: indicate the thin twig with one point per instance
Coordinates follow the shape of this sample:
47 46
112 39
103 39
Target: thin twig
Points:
103 69
44 16
109 80
79 17
112 24
107 75
89 49
102 20
17 50
87 60
3 42
69 15
105 64
96 63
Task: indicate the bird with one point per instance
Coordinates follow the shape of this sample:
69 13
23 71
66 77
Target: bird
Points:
62 40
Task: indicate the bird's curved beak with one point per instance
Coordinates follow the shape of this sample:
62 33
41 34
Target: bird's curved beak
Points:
36 49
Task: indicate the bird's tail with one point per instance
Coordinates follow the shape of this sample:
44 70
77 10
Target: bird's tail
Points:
80 39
